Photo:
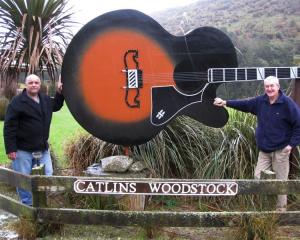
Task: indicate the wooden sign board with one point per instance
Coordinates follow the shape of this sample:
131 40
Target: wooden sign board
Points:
176 188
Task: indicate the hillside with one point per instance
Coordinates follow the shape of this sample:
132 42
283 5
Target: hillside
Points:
265 32
273 19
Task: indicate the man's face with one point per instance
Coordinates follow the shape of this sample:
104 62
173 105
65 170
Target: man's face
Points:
271 89
33 85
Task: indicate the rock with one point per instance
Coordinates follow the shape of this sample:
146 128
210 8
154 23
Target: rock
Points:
95 170
137 166
116 163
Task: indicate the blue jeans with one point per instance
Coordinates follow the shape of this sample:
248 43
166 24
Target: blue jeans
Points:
23 164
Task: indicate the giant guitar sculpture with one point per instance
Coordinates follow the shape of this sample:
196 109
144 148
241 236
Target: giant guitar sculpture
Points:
125 77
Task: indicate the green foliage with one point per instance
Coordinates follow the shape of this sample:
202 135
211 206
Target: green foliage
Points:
188 149
273 21
185 149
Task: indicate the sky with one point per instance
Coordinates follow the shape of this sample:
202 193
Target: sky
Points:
86 10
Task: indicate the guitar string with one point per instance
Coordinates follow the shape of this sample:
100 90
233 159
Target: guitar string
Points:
203 76
236 74
221 73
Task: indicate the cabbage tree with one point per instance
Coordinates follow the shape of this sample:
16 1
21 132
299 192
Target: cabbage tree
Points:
33 37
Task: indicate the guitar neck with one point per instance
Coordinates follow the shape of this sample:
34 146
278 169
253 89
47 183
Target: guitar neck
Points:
221 75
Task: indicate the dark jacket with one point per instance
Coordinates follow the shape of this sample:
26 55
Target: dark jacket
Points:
27 122
278 124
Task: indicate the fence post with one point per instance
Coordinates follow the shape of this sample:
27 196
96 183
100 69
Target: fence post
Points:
268 201
39 199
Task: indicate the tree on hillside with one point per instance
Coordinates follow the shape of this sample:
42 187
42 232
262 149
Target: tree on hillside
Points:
33 37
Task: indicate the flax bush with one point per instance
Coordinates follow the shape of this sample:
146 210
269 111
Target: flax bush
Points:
188 149
185 149
84 150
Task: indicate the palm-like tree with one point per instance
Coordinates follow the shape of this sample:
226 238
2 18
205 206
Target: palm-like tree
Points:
33 36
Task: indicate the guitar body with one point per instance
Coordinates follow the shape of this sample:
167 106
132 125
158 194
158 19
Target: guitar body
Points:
97 78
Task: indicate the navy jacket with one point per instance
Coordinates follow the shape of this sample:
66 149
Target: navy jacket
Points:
27 123
278 124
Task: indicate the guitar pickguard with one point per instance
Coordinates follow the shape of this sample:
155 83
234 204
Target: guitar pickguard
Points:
168 102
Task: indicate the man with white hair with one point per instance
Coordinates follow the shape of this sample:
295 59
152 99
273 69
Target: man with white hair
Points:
26 129
277 132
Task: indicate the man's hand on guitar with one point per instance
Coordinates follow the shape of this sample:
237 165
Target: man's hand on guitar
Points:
219 102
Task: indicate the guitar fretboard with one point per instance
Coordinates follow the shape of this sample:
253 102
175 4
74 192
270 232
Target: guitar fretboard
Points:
251 74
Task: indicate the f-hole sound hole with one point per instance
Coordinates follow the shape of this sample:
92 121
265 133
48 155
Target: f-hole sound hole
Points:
188 78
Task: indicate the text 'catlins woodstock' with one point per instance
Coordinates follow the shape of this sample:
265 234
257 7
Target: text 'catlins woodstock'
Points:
155 188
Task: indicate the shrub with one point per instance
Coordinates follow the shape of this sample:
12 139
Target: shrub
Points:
10 90
44 88
25 228
48 87
31 230
84 150
188 149
256 227
3 106
184 149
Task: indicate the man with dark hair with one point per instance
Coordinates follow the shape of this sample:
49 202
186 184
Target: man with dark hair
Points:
26 129
277 132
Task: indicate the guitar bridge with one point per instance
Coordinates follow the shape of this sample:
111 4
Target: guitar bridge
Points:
134 79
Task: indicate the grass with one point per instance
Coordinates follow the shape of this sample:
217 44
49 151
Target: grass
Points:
63 127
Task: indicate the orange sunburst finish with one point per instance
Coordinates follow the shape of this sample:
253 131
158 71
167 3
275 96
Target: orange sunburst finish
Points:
103 82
